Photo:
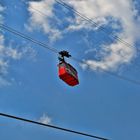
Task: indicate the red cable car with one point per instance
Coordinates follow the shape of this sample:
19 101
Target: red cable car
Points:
66 72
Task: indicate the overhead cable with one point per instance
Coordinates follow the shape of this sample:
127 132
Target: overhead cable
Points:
17 33
62 3
51 126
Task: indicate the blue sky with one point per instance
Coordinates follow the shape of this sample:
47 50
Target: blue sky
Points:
29 85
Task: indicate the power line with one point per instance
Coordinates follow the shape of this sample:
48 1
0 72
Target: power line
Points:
28 38
62 3
52 126
17 33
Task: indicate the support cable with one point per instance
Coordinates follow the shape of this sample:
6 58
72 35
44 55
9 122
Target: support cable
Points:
51 126
62 3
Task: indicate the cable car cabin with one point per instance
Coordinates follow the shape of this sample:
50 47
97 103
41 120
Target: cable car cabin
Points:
68 74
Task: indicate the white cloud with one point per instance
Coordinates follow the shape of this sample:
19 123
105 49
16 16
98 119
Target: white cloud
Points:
41 12
29 52
99 10
1 10
8 53
123 11
4 82
45 119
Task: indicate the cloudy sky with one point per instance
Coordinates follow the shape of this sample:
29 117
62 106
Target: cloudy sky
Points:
101 104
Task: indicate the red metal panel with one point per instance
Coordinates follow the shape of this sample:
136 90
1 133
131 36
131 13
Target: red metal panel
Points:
67 77
62 70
